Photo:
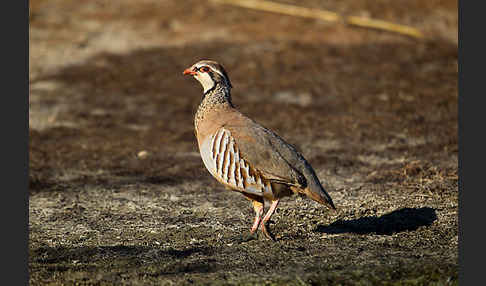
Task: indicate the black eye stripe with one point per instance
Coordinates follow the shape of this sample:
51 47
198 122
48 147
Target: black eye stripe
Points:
202 69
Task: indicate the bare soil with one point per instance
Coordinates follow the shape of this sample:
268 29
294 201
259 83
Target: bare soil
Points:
119 194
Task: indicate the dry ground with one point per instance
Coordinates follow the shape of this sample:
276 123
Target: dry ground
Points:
373 112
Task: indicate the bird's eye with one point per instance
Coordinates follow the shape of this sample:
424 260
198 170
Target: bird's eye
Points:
204 69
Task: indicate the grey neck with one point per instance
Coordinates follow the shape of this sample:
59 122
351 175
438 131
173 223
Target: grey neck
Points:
218 94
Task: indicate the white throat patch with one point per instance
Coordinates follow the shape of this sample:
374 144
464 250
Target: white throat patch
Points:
205 80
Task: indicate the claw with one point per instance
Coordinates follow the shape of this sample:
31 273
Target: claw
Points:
266 232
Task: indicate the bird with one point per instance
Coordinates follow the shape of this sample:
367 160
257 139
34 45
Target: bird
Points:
245 156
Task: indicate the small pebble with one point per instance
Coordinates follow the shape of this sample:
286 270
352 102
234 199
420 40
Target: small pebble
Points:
142 154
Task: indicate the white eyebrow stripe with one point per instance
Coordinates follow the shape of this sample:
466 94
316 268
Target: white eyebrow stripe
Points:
214 69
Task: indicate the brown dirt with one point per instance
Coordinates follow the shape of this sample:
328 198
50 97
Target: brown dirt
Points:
374 113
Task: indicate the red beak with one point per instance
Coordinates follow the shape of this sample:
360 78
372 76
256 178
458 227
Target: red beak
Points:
188 71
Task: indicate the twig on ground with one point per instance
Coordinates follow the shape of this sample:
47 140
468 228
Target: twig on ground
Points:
293 10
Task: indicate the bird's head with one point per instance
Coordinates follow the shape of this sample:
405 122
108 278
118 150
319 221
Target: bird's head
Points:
209 74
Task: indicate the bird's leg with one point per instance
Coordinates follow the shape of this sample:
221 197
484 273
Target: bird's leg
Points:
258 207
267 217
258 204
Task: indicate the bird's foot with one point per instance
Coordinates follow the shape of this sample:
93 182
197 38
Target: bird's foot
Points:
266 232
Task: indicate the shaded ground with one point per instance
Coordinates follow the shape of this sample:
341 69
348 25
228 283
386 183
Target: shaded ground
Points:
374 113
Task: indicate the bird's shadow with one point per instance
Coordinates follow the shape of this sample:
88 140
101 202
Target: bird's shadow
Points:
405 219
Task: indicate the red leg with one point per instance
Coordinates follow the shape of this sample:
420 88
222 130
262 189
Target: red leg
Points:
267 217
258 204
258 207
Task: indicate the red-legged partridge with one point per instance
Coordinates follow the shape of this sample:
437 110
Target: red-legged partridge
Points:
245 156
